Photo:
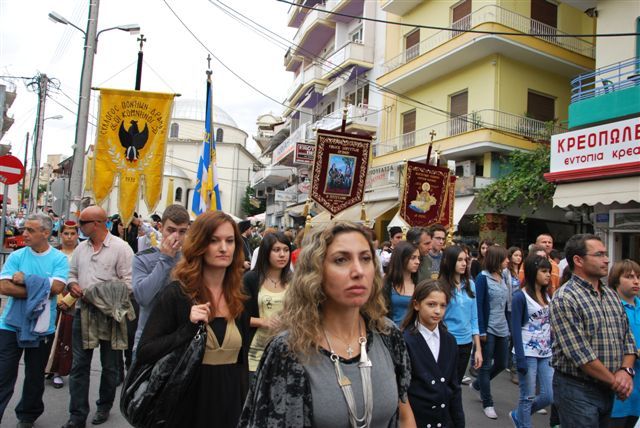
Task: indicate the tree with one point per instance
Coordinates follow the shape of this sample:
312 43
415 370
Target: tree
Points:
249 205
523 185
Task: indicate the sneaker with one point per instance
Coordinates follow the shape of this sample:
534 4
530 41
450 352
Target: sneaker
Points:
514 378
466 380
476 391
58 382
490 412
514 419
542 411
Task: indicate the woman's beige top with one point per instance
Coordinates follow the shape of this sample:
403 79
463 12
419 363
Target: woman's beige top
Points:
216 355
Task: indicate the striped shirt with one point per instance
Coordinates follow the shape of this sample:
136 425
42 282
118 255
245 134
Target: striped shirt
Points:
588 325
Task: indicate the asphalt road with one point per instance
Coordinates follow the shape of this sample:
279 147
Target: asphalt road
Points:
57 402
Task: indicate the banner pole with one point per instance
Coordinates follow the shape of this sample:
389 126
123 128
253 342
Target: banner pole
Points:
432 134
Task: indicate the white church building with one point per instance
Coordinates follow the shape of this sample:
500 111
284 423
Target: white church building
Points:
184 146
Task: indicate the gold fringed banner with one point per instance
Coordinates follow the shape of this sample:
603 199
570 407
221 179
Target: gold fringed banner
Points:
88 180
130 144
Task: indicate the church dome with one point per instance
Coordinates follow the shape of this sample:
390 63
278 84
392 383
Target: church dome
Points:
195 110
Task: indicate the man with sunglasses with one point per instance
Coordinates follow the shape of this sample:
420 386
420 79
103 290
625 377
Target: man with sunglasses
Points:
31 276
102 258
593 347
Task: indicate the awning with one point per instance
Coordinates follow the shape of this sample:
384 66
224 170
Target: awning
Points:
606 192
460 208
339 80
373 209
398 221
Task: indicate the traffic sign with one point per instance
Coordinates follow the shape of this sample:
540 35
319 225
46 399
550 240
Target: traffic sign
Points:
11 169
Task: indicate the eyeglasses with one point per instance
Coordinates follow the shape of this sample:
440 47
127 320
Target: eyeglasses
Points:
84 222
599 254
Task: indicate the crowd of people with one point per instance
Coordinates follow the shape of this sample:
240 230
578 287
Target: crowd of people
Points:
325 328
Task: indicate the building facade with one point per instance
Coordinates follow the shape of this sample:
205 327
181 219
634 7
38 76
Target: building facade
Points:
596 165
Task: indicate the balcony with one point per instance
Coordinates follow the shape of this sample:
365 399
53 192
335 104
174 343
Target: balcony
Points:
350 54
314 33
288 146
521 126
445 50
400 7
307 76
348 7
359 118
608 93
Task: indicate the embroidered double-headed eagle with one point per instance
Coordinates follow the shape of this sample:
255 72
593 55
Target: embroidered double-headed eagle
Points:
133 140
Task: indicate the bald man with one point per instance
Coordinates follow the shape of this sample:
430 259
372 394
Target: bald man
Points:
545 241
101 258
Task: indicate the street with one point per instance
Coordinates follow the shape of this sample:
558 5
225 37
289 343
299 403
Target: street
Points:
57 401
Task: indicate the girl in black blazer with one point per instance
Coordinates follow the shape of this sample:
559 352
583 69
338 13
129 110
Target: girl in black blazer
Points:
434 393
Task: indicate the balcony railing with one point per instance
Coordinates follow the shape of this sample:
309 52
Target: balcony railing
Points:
352 50
483 119
306 75
317 14
495 14
356 115
615 77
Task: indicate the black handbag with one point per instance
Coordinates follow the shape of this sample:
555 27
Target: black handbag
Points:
152 391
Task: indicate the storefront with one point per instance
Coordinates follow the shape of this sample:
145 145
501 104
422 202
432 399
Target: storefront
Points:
597 172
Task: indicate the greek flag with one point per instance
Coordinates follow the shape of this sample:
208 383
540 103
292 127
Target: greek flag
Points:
206 194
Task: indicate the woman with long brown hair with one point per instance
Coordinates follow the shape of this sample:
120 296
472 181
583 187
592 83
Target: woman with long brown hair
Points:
207 288
338 361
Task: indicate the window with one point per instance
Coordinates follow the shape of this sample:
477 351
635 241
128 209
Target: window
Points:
178 197
219 135
360 96
458 14
540 107
412 45
458 107
544 19
356 36
330 108
173 132
408 129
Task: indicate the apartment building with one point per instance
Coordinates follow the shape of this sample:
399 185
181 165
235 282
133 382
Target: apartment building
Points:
478 95
596 165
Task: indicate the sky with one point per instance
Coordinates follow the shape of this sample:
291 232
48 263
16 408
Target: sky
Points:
174 61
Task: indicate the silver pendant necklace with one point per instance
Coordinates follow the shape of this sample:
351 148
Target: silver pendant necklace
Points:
345 384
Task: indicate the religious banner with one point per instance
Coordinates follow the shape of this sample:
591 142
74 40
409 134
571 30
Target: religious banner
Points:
340 170
130 144
424 199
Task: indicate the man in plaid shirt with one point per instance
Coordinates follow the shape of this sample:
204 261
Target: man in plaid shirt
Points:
593 348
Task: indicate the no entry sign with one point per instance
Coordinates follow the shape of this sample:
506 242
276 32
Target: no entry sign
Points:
11 169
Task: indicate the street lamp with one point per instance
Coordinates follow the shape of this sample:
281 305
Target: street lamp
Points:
90 46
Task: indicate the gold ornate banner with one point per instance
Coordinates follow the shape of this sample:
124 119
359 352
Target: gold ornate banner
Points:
130 144
425 195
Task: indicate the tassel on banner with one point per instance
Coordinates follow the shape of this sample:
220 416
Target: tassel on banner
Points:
307 225
363 214
305 210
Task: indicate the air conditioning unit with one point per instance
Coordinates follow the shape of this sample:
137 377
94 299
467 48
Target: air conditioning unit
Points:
468 168
269 190
260 193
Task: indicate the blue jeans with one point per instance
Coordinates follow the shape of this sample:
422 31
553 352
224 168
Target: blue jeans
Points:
581 403
495 349
80 375
538 369
30 406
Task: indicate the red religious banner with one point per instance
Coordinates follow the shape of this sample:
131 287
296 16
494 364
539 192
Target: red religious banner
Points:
339 170
426 190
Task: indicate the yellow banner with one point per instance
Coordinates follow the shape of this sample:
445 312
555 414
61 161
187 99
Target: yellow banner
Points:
130 143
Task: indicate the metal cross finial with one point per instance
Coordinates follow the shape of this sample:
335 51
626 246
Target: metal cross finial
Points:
141 39
432 134
209 61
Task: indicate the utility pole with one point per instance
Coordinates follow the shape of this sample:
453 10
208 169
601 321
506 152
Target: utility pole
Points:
77 170
34 179
24 177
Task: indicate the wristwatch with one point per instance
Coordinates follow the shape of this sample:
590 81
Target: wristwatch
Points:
629 370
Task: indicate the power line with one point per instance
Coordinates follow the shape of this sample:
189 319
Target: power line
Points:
377 88
458 30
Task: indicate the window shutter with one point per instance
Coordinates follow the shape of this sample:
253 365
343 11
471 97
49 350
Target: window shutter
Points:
540 107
